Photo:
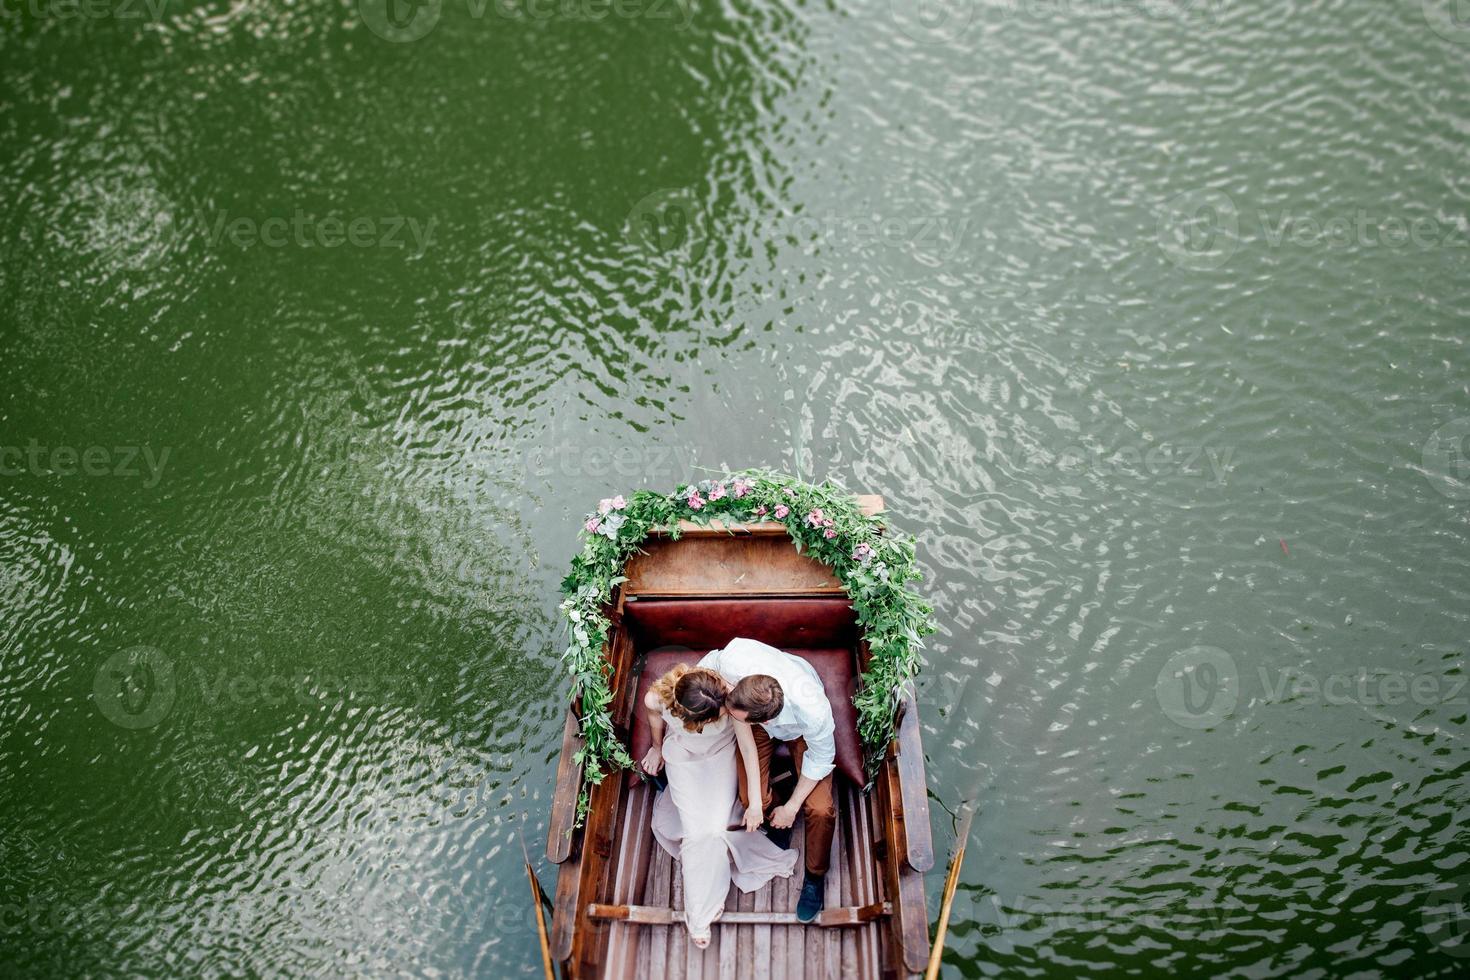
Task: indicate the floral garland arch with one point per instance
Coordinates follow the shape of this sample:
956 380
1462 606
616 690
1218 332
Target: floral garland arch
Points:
822 519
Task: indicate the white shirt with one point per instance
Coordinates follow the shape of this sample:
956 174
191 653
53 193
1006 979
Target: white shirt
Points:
805 712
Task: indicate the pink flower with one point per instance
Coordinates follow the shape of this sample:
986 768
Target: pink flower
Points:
829 533
741 488
760 511
591 525
781 511
828 522
814 519
695 501
611 503
788 491
717 491
618 502
863 553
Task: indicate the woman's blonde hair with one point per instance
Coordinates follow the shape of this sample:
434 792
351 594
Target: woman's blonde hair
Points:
693 695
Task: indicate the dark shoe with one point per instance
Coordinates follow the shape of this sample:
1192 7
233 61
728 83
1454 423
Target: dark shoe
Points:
781 838
813 892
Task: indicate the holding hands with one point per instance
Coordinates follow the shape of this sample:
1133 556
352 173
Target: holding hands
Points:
784 816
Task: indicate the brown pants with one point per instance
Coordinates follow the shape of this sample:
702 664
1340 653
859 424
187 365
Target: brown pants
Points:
819 808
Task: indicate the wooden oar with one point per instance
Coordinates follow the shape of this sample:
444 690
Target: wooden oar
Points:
537 896
967 815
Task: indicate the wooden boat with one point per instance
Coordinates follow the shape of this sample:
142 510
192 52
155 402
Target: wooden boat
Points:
618 904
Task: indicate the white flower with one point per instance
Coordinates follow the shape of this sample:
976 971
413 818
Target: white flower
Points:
610 525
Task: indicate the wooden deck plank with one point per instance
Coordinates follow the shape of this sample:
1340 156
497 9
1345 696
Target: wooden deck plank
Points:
832 952
657 893
693 958
842 868
796 935
710 957
761 958
725 937
778 888
745 960
678 961
628 872
865 874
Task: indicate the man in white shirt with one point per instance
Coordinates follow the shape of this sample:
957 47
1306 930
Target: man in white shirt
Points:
782 698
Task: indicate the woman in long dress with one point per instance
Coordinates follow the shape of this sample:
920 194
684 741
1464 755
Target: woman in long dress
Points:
694 741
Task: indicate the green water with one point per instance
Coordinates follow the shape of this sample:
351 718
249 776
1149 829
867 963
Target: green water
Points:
1148 319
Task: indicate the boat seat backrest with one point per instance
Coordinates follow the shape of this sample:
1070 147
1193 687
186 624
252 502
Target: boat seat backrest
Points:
707 623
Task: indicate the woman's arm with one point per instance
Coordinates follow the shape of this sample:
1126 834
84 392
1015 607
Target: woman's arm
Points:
745 738
653 761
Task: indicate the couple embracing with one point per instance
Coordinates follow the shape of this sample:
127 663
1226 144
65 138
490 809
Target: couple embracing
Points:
746 695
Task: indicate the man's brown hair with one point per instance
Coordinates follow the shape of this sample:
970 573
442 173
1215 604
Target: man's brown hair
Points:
759 695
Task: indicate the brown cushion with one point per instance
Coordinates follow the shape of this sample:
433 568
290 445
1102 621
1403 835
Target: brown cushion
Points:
703 624
833 665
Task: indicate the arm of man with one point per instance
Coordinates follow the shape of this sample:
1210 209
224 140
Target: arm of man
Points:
653 760
817 763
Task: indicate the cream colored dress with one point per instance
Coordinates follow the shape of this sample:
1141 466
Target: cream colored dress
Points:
690 820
